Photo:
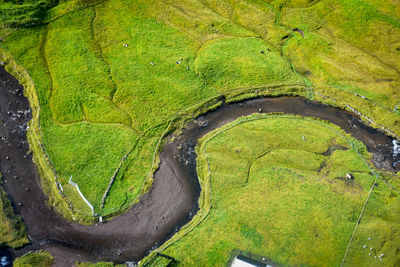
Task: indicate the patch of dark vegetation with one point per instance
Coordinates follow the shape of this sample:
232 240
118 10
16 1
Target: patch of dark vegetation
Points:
24 13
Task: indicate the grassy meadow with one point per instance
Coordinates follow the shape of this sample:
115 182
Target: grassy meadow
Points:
379 229
109 75
278 190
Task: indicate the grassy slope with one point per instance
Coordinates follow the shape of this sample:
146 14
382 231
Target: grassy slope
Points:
12 229
379 229
349 47
267 201
106 99
89 83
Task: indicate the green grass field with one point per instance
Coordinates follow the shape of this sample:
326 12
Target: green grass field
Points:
277 189
109 75
379 229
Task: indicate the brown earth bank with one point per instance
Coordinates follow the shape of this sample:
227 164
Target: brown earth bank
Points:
171 202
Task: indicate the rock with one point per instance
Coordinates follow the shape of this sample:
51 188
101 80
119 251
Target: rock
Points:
350 177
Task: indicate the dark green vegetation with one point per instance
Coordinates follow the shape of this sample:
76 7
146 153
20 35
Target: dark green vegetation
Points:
34 259
278 189
17 13
12 229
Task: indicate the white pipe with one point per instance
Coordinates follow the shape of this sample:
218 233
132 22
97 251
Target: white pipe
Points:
80 193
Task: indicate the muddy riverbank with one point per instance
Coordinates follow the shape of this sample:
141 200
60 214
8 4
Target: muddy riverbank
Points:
171 202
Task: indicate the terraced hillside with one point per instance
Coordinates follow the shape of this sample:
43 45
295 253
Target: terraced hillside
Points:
107 80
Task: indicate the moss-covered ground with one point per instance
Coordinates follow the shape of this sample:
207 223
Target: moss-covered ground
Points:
34 259
109 76
278 189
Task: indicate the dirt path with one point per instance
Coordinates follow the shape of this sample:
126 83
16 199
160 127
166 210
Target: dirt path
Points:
171 202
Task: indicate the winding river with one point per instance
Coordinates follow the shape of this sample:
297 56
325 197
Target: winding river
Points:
171 202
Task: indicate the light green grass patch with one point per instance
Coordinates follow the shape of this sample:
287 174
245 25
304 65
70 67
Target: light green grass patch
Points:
150 93
272 200
90 153
82 88
128 184
379 228
232 63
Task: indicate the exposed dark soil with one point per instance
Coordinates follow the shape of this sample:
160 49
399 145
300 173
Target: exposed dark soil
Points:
171 202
